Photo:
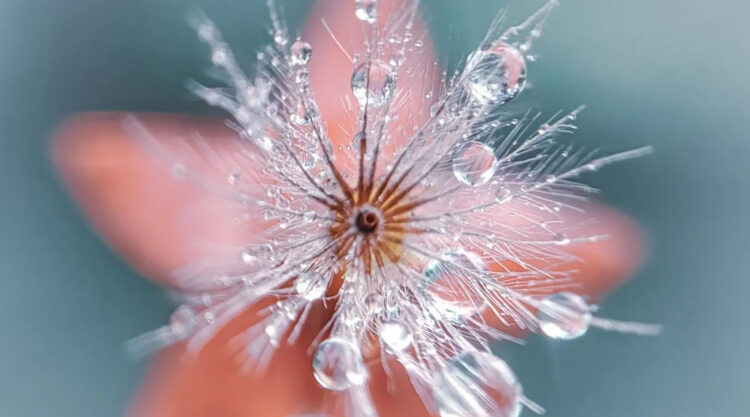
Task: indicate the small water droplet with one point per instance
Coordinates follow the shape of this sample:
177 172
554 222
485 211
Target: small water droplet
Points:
311 285
495 74
366 10
396 335
182 322
381 84
474 164
280 38
564 316
234 178
503 196
248 256
301 53
444 278
338 365
477 384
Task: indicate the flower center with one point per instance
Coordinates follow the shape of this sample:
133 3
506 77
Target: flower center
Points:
367 220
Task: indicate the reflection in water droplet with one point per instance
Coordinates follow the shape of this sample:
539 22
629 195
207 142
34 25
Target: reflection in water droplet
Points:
301 53
496 74
382 82
477 384
396 335
338 365
564 316
366 10
449 292
311 285
474 164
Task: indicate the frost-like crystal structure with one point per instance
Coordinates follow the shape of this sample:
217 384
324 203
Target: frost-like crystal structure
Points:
412 235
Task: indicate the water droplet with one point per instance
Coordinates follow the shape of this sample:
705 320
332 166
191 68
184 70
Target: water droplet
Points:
474 164
477 384
234 178
564 316
496 74
446 278
381 82
220 56
366 10
503 196
396 335
301 53
280 38
397 58
374 303
182 322
311 285
248 256
309 216
338 365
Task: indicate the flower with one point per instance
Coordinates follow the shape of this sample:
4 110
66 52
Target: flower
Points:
356 206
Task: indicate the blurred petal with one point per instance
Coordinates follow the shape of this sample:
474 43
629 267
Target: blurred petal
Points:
154 220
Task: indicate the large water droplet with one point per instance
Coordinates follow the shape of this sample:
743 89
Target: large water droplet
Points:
474 164
396 335
477 384
382 82
301 53
495 74
447 283
366 10
564 316
311 285
338 365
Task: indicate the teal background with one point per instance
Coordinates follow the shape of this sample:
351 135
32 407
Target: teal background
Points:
671 73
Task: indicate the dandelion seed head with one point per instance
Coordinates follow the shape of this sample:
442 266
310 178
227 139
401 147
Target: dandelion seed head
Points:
441 208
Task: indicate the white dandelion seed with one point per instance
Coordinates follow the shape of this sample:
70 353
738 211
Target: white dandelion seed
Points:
411 245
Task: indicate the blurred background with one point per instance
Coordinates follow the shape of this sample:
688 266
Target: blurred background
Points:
671 73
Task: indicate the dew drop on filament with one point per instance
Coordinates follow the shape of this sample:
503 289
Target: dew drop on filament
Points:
445 279
477 384
338 365
301 53
183 322
366 10
381 83
564 316
495 74
474 164
310 285
396 335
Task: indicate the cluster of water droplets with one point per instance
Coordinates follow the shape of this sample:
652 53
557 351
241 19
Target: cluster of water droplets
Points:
426 305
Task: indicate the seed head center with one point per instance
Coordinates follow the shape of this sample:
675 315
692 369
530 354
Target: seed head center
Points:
367 220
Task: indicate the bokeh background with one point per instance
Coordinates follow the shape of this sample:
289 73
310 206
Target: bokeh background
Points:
671 73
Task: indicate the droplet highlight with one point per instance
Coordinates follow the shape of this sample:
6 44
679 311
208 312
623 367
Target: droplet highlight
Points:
396 335
446 280
564 316
495 75
311 285
376 90
338 365
478 384
474 164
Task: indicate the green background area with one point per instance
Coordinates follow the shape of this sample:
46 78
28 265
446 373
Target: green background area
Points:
671 73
